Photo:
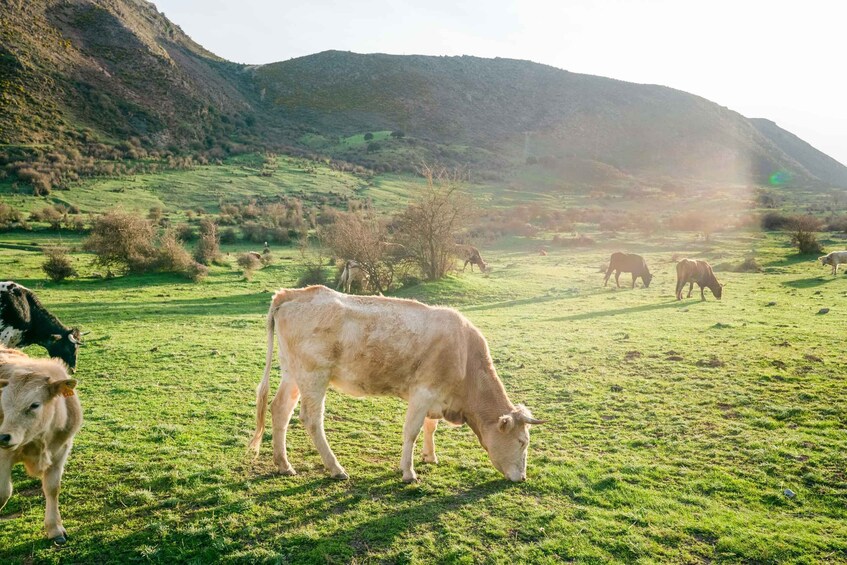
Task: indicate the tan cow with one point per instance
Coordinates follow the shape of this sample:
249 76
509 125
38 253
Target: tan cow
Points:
352 273
834 259
39 416
690 271
434 358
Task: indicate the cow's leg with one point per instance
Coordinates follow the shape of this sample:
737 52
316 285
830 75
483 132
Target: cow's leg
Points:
634 277
312 402
428 452
618 278
680 284
690 289
466 265
702 296
50 483
608 274
281 409
5 479
415 416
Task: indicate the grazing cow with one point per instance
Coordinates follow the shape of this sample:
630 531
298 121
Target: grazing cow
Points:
835 259
255 254
39 416
692 271
24 321
352 273
628 263
471 255
432 357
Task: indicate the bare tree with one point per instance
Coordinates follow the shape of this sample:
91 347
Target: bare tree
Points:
362 237
430 225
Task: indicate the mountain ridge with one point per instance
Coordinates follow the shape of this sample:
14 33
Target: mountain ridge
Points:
104 71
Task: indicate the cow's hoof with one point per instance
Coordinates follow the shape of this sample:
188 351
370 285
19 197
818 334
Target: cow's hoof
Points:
427 458
288 471
341 476
59 540
408 479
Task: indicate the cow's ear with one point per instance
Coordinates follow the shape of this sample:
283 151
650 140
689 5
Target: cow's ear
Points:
3 383
55 337
65 387
506 423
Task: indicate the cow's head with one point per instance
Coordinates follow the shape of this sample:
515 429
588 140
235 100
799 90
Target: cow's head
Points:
825 260
65 346
507 440
28 396
647 277
718 291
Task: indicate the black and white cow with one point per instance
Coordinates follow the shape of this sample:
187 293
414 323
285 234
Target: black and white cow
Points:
24 321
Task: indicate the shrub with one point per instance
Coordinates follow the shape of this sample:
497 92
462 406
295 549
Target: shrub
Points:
369 136
8 216
749 265
398 134
803 236
120 239
196 271
228 236
773 221
373 146
248 263
58 265
208 249
171 256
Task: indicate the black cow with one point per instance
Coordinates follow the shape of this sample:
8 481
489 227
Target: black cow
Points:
24 321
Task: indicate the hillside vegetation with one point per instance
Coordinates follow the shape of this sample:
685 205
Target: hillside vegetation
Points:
115 80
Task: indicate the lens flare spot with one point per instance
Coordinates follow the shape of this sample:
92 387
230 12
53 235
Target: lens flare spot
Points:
779 178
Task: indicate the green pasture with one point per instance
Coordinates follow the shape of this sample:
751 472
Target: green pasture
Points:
673 428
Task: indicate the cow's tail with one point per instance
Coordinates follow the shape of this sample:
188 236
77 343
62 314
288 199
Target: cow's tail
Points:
264 387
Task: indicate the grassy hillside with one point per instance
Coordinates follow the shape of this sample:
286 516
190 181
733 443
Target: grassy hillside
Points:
115 80
673 429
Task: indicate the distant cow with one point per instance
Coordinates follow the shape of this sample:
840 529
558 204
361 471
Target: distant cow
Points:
39 416
690 271
471 256
24 321
352 273
255 255
375 346
835 259
628 263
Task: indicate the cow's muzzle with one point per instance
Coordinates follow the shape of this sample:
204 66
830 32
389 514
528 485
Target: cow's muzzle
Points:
5 441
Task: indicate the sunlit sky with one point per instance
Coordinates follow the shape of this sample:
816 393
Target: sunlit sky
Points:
776 59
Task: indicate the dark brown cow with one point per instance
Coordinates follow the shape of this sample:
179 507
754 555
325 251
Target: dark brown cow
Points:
690 271
628 263
471 255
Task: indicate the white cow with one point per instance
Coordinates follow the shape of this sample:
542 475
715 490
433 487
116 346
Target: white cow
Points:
434 358
835 259
39 416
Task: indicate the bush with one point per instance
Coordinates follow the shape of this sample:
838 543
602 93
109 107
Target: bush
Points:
369 136
208 249
58 265
123 240
803 234
749 265
228 235
248 263
773 221
196 271
9 216
171 256
398 134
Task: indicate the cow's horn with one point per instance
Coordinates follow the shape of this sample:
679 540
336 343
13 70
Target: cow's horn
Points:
55 337
84 333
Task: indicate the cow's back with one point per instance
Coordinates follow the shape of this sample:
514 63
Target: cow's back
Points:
627 263
372 345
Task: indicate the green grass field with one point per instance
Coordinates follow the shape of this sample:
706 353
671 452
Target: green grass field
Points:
673 428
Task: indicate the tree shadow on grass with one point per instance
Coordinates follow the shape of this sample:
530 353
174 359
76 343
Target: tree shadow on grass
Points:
317 504
810 282
631 310
532 300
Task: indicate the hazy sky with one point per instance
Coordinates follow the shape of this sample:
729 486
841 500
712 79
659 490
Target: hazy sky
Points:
776 59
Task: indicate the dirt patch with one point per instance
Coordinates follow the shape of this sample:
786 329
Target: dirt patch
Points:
810 357
712 362
674 358
631 355
778 364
